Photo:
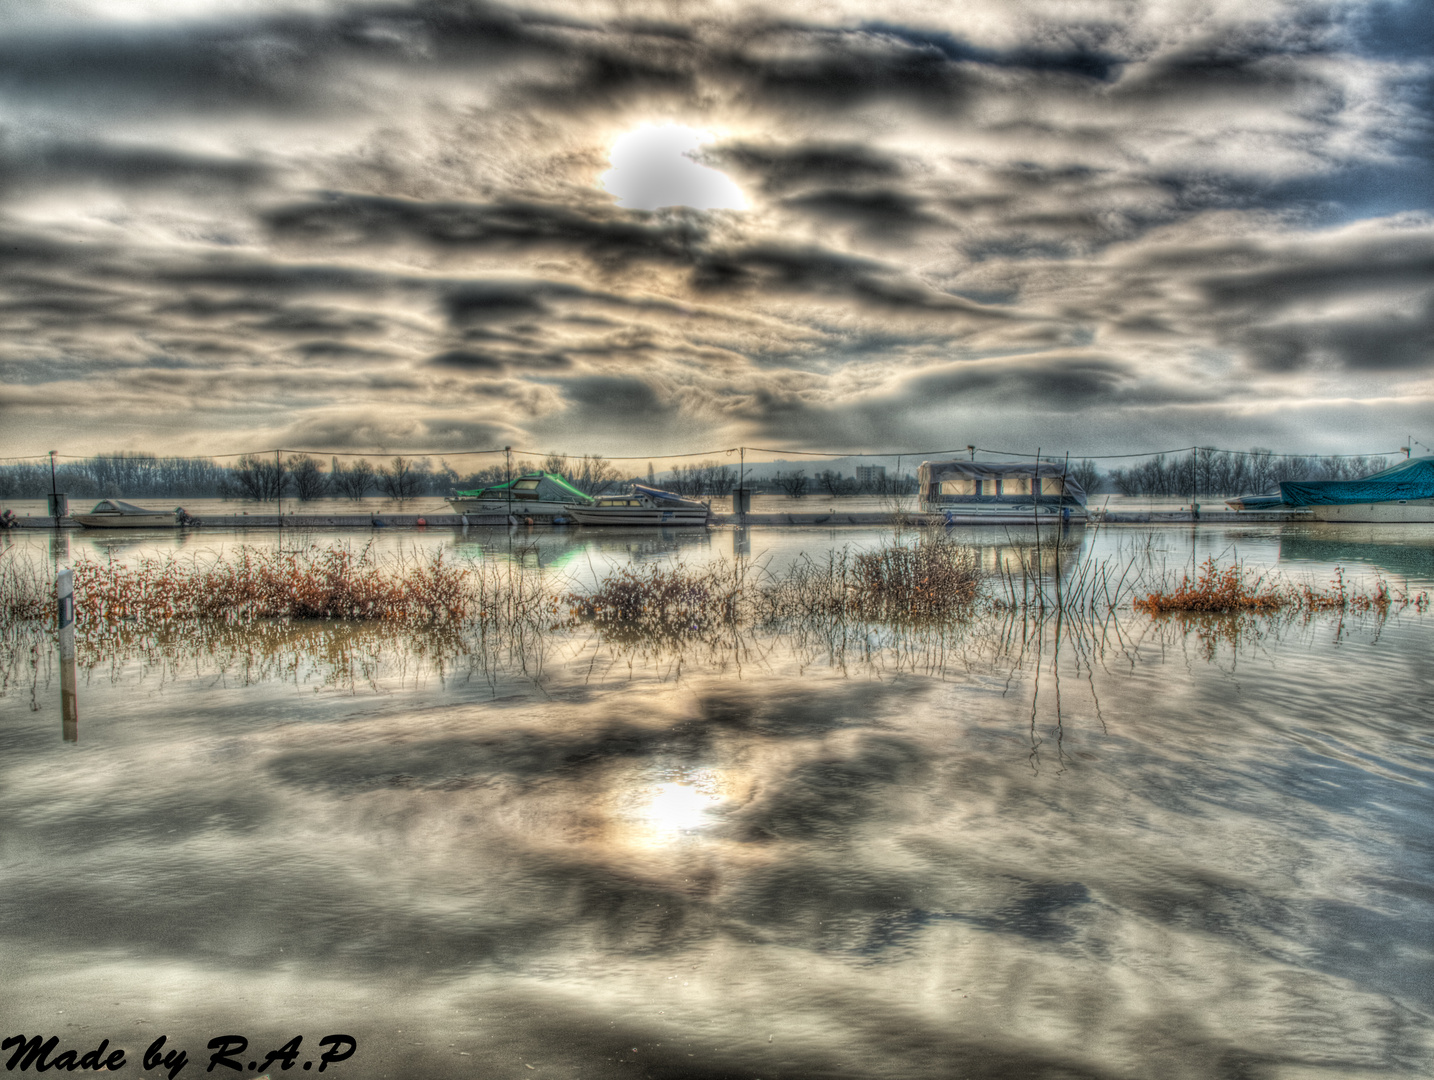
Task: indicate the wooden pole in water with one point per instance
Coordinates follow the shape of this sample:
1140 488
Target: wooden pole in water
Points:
69 710
1036 521
54 492
742 485
279 486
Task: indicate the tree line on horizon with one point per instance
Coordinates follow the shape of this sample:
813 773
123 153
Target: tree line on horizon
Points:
1208 471
303 477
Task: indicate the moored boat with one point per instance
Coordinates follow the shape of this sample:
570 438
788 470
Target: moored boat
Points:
539 495
1402 494
114 514
641 506
1000 493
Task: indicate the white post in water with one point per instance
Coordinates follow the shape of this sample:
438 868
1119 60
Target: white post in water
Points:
69 708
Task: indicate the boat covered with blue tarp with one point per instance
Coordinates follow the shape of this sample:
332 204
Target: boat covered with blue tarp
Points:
1413 479
1403 493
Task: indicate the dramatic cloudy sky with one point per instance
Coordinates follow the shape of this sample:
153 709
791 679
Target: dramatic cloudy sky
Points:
640 228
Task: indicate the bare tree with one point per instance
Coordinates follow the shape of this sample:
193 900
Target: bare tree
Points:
308 480
1087 474
721 479
593 474
400 480
834 483
484 477
793 483
353 482
258 478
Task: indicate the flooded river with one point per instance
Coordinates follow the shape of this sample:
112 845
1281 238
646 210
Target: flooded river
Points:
1022 847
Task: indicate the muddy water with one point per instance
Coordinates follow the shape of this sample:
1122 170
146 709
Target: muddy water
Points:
1017 849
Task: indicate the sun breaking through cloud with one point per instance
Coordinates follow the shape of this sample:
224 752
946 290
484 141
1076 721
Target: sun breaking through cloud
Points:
654 167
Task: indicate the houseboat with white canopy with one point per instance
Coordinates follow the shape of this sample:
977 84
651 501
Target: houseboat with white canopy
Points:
1001 493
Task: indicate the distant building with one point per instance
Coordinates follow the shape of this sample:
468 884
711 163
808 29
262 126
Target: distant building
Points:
870 475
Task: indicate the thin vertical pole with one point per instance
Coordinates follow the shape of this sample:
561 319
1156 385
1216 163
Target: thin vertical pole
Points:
1036 521
508 479
742 485
65 600
1194 482
279 486
54 492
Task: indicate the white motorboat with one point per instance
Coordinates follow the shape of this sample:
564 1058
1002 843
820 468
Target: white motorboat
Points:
642 506
114 514
539 495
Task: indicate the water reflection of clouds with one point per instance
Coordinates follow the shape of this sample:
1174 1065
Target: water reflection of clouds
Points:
866 869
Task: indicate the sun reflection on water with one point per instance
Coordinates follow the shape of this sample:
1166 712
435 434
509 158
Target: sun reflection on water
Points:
672 809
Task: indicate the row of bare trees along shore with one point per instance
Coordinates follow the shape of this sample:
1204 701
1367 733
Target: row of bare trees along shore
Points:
264 478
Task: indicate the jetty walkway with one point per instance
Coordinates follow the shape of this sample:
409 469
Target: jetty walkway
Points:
834 518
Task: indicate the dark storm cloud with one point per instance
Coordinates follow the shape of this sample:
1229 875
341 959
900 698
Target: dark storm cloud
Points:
880 208
601 233
1357 302
1390 343
276 65
615 238
1054 382
789 268
934 71
780 167
613 397
473 360
30 165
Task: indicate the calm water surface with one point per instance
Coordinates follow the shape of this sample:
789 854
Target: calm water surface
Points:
1016 849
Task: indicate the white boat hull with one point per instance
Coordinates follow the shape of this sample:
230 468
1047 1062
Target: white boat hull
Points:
1007 514
126 521
1401 511
637 515
519 508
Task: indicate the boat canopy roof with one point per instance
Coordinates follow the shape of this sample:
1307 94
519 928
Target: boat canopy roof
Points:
115 506
551 487
935 471
663 496
1412 479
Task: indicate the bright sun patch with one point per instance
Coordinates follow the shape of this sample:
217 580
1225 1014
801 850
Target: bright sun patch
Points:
653 167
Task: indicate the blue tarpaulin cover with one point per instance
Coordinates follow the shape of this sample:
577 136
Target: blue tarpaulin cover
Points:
1413 479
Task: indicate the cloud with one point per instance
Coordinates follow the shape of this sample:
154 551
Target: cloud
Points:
1116 210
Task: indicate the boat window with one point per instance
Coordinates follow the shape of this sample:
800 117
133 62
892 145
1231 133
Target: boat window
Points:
1051 485
526 485
961 485
1014 485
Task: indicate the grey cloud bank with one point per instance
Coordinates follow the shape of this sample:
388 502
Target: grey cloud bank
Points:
349 226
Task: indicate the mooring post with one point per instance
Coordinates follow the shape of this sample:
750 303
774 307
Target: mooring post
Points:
69 709
58 503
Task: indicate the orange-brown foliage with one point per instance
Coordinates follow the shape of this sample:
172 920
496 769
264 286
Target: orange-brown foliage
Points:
1223 590
312 583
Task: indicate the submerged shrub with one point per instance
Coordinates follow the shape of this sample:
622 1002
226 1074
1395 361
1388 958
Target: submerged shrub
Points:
312 583
933 579
1230 589
663 601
